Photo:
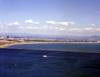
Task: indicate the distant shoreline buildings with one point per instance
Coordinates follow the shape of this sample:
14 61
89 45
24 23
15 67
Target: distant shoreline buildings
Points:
26 39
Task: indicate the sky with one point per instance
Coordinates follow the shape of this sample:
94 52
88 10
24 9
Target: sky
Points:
50 17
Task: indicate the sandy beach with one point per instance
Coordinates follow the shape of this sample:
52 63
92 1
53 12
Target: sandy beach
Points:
7 43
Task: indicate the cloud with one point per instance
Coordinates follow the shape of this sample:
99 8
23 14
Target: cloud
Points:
1 25
20 27
57 28
76 29
44 26
62 29
31 22
59 23
15 23
98 29
93 25
12 24
63 23
51 28
36 22
84 29
6 31
72 22
81 29
51 22
32 27
89 28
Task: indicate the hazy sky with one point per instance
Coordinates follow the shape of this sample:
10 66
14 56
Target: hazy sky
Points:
50 17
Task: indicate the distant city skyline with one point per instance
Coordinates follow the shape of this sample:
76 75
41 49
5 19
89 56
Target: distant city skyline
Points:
50 17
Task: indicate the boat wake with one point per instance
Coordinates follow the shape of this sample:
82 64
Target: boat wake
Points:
47 56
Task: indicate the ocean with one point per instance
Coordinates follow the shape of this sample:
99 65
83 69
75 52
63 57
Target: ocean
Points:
51 60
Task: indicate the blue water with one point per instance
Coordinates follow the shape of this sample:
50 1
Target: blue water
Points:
31 63
75 47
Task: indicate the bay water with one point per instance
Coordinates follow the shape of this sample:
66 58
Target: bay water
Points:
60 60
75 47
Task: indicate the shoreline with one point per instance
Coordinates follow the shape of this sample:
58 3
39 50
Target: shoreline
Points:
51 50
19 43
14 43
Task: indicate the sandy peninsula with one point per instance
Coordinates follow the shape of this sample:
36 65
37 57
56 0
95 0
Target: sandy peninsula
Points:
6 43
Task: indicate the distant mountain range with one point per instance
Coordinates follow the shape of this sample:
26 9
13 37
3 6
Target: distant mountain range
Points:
49 36
95 36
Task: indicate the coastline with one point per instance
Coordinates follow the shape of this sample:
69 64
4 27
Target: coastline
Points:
13 43
4 46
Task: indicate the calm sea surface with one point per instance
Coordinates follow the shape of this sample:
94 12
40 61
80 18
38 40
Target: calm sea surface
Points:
75 47
31 63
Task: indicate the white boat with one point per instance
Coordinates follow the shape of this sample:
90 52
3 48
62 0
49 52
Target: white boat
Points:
44 55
